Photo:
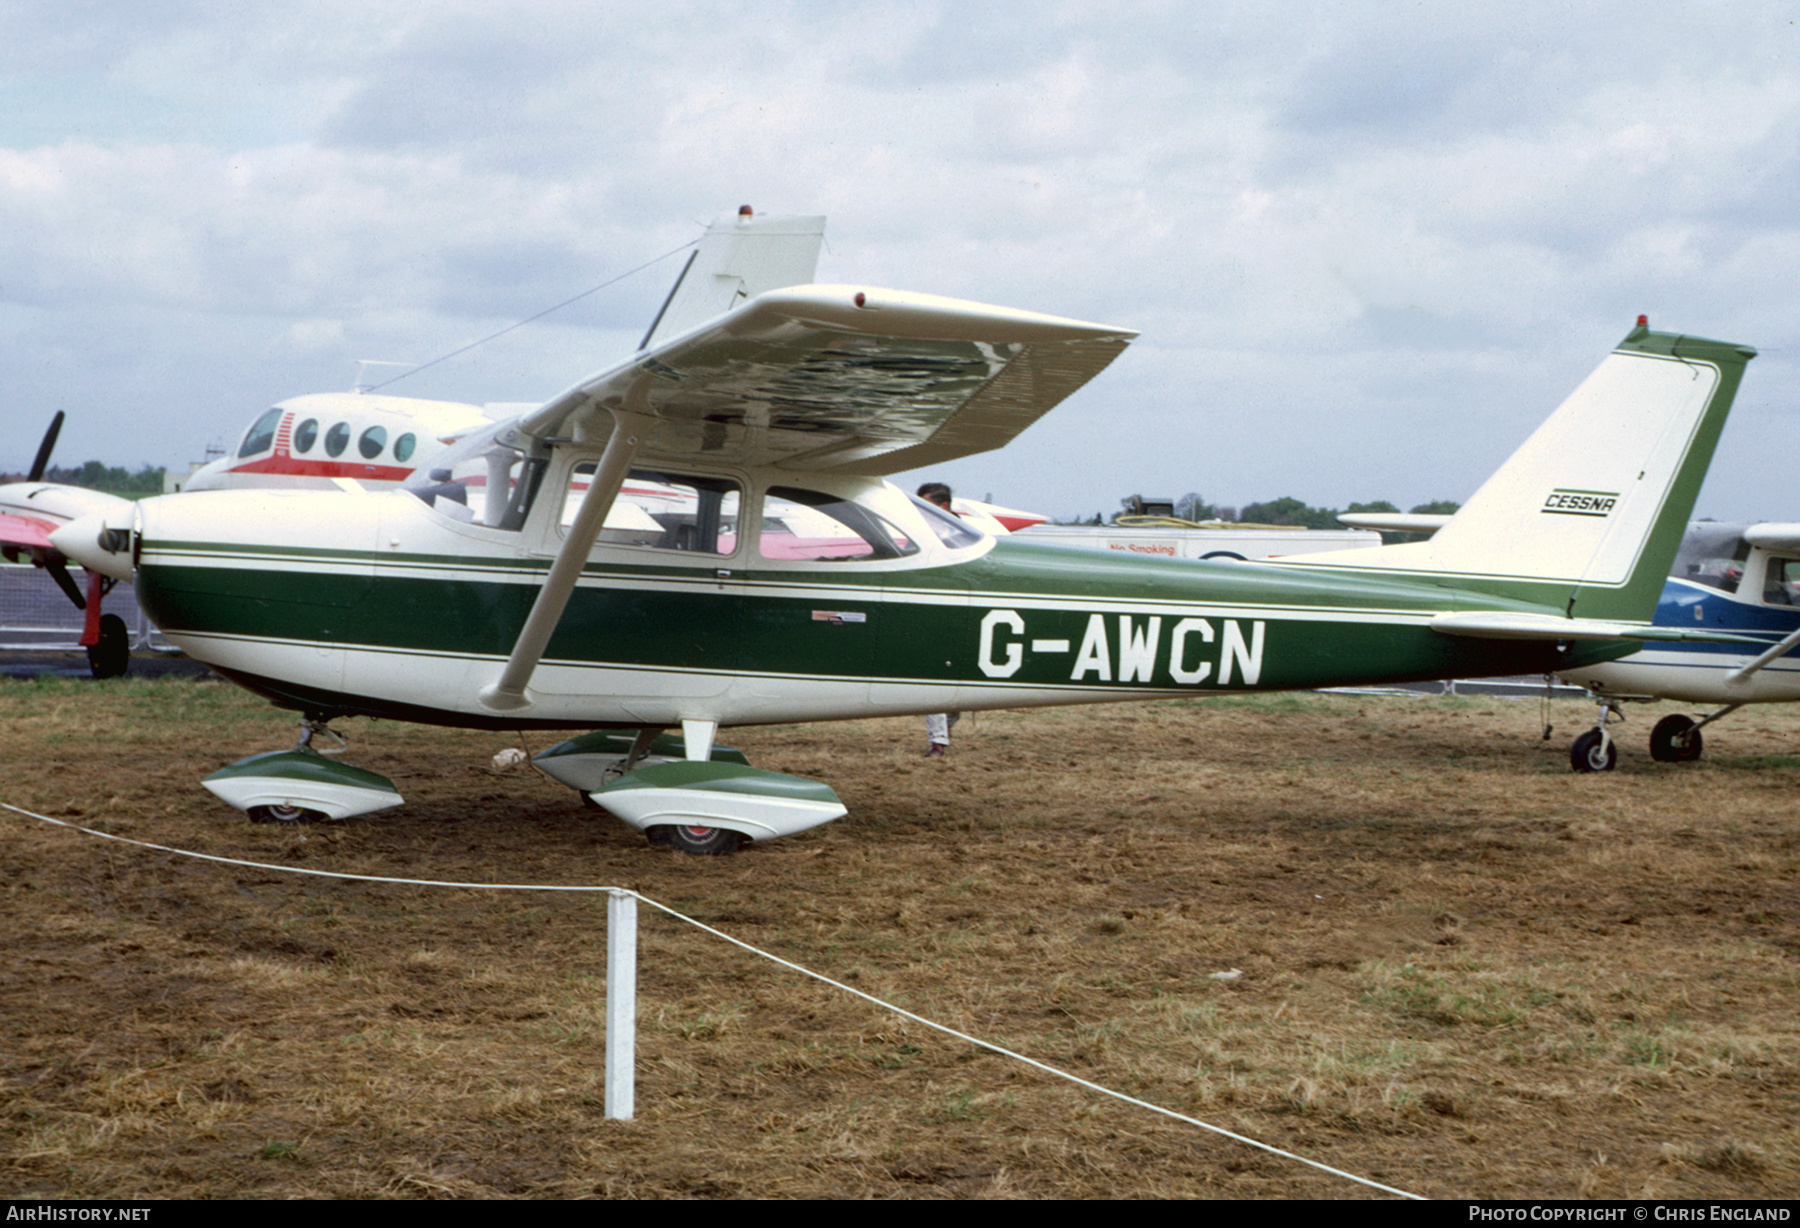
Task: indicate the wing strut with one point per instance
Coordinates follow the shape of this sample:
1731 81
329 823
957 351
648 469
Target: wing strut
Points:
508 694
1738 677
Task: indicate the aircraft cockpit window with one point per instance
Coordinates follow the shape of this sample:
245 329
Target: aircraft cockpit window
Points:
306 435
661 511
810 526
1781 582
372 442
1712 554
261 435
951 529
403 447
337 439
461 484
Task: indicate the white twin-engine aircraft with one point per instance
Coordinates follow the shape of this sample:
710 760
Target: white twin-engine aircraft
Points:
787 581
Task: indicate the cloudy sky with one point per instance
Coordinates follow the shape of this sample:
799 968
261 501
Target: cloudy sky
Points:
1369 246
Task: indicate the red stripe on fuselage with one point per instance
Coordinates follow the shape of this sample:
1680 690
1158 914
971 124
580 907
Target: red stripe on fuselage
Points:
300 467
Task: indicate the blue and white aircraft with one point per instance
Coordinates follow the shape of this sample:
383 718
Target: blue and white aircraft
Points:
1733 578
1736 579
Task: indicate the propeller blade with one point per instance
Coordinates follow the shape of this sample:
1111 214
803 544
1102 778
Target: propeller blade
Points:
59 571
43 457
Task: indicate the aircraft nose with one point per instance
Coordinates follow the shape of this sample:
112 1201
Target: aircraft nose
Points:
99 542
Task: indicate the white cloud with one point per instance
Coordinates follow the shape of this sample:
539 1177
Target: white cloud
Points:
1338 226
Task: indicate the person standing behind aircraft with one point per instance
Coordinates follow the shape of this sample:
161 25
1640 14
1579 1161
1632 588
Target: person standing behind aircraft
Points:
937 725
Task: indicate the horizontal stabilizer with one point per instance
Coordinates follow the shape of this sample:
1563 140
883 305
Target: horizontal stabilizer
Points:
1503 625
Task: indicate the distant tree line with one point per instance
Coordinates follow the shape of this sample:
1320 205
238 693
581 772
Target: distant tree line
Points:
1288 511
113 480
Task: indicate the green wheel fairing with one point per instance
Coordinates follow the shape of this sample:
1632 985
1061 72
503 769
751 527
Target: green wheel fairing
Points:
302 779
303 765
726 778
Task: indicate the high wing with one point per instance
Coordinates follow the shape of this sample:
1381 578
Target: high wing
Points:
810 377
1774 536
851 379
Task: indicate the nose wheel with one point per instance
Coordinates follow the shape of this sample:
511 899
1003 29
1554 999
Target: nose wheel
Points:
1595 751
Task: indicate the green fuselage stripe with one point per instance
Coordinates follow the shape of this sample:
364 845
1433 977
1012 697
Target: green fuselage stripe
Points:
1023 616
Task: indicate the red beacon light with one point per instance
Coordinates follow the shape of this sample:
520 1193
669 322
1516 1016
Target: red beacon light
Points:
1643 321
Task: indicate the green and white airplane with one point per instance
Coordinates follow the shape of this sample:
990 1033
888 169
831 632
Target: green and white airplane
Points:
781 579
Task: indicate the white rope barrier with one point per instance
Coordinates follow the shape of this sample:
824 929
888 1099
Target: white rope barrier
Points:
1033 1062
622 959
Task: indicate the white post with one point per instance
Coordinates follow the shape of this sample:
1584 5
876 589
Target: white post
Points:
621 1004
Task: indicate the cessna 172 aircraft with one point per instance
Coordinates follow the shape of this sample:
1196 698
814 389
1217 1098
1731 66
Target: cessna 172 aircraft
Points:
493 593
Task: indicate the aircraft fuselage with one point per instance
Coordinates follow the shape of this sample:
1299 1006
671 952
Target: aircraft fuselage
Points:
382 605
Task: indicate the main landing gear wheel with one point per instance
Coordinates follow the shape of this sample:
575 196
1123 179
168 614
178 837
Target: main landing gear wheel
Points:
1593 752
696 841
111 657
286 816
1676 739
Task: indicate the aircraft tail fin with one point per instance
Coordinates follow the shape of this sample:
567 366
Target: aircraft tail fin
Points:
736 260
1588 514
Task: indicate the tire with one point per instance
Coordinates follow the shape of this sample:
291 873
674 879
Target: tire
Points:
1587 754
285 816
1675 740
111 657
697 841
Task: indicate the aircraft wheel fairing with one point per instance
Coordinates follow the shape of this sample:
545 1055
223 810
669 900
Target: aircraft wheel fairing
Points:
1675 740
111 657
696 841
283 783
687 803
1593 753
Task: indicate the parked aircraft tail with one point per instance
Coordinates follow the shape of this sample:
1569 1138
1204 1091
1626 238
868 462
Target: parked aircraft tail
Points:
1587 515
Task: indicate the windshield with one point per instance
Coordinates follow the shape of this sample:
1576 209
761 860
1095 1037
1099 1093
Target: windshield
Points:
1712 554
951 529
485 479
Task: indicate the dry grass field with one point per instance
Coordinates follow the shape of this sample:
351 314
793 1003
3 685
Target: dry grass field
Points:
1466 971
